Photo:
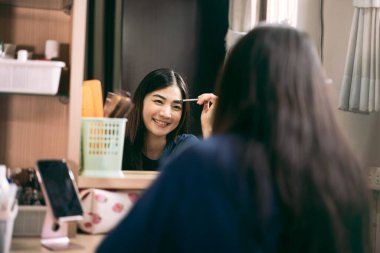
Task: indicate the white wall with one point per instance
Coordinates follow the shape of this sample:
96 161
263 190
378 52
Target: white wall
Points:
308 19
361 130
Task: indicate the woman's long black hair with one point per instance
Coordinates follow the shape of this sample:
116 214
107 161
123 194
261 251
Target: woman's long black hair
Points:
272 91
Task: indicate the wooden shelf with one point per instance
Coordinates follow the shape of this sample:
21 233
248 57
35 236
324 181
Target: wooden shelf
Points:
29 125
132 180
40 4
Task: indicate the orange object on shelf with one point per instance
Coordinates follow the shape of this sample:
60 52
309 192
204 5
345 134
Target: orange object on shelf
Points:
92 99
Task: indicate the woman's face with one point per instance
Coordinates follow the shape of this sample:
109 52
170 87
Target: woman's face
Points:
162 110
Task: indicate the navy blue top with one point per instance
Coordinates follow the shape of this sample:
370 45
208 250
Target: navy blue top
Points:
171 148
201 202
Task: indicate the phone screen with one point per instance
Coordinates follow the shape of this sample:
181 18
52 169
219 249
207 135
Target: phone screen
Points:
60 188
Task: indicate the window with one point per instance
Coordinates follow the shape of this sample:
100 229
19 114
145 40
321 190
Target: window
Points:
282 11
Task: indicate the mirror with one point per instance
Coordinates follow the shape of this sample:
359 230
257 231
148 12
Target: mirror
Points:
337 17
186 36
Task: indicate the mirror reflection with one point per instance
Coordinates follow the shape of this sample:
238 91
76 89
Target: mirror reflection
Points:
158 124
139 37
189 37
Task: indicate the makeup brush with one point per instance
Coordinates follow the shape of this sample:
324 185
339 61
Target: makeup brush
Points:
189 99
194 100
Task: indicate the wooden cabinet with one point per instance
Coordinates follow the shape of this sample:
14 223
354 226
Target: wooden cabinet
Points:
41 127
45 127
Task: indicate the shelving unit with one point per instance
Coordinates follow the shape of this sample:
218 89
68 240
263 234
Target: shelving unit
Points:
43 127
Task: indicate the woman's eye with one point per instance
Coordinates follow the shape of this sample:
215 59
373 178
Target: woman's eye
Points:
159 102
177 107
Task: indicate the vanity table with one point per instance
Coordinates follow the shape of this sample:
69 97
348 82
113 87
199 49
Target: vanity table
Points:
32 244
132 180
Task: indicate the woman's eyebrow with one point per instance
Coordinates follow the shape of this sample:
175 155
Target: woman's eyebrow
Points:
175 101
159 96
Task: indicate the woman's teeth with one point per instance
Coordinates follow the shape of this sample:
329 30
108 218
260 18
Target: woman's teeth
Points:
160 123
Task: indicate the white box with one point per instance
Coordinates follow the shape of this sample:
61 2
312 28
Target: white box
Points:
7 219
29 221
30 77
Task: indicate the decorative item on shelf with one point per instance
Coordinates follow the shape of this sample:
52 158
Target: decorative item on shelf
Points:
8 51
22 55
104 209
32 209
52 50
118 104
92 99
29 192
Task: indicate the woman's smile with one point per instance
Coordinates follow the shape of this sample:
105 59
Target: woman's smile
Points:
161 123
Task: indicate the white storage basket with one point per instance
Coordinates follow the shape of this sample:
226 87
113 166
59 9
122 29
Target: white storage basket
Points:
35 77
102 146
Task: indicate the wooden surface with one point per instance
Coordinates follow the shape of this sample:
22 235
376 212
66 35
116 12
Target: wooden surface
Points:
31 128
39 4
30 28
132 180
32 244
76 80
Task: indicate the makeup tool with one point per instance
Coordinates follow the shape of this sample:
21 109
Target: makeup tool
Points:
189 99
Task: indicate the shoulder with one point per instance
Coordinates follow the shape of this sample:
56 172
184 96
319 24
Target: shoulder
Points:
180 143
211 144
182 139
217 144
214 152
185 138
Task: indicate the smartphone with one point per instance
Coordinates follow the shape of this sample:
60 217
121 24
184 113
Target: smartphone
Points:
59 189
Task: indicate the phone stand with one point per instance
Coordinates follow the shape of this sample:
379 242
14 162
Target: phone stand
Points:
55 235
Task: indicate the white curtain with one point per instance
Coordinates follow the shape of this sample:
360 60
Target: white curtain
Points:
282 11
360 91
242 17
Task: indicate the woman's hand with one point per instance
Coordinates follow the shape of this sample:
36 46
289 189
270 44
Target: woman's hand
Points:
208 100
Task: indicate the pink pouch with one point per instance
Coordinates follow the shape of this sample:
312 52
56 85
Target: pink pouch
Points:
103 209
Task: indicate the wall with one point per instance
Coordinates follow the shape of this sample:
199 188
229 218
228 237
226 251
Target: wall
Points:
360 130
187 36
308 19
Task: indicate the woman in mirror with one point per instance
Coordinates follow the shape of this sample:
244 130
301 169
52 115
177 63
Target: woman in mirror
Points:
276 176
157 125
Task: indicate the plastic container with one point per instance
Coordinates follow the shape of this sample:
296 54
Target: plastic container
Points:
6 228
29 221
30 77
102 143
